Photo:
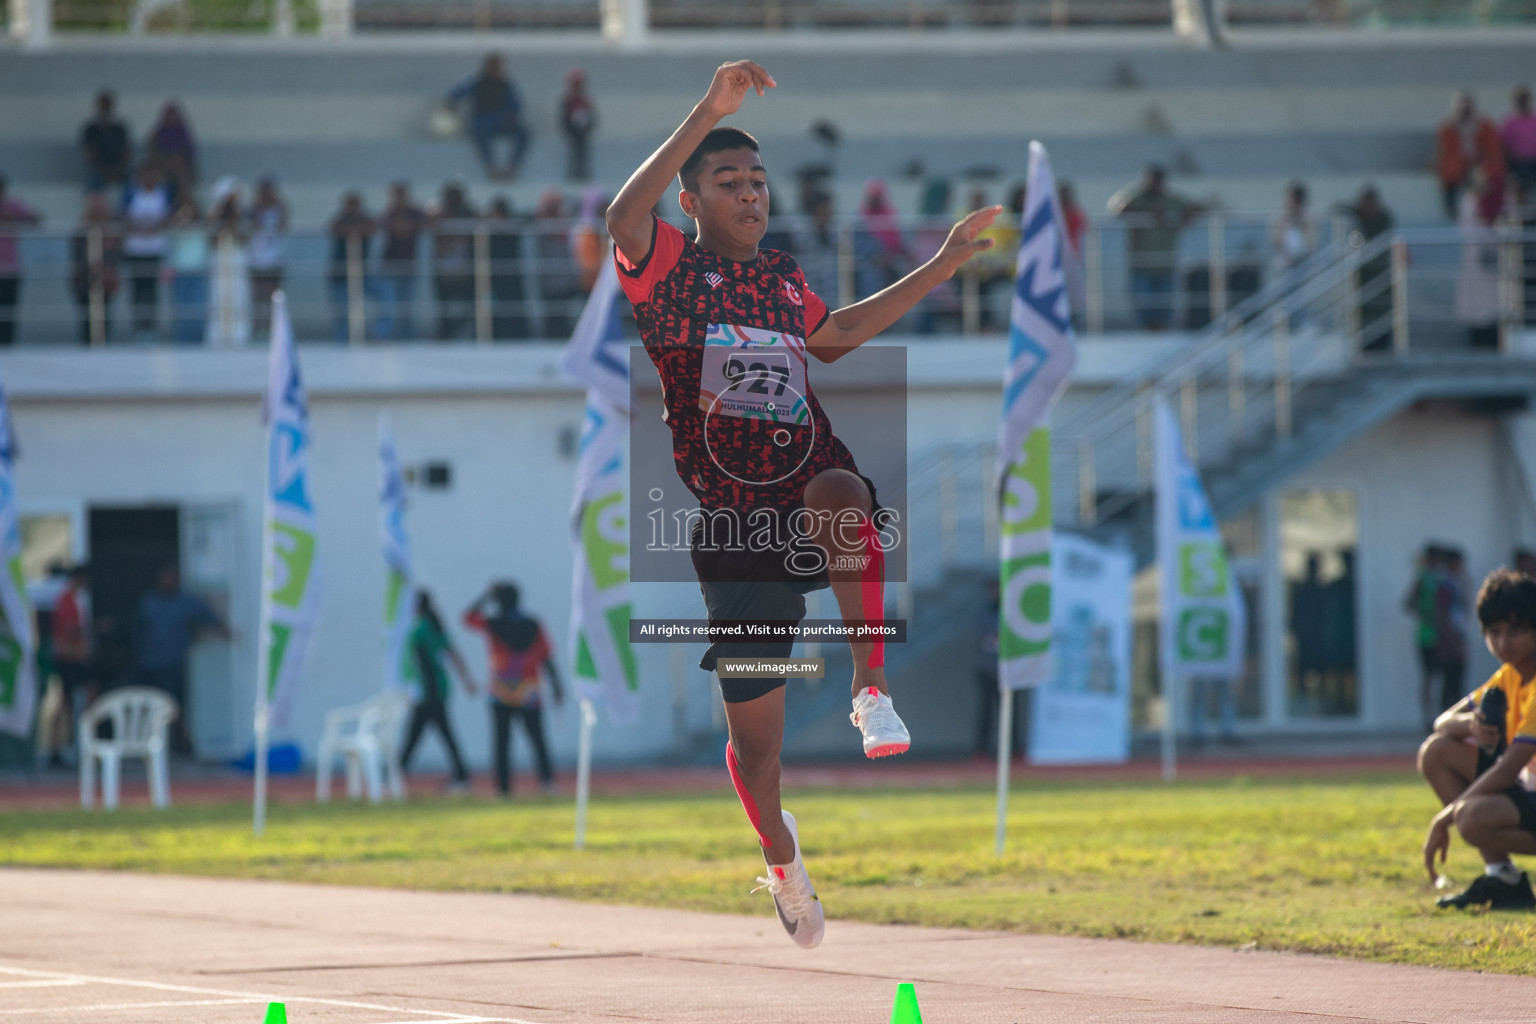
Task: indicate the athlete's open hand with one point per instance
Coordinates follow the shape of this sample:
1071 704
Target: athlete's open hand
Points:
1438 842
732 83
962 242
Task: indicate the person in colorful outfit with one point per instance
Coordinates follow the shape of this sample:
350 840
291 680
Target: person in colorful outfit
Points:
519 650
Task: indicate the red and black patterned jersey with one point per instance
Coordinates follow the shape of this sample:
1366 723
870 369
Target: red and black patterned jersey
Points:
729 342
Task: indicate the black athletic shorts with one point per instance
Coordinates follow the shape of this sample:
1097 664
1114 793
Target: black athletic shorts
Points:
1525 803
746 586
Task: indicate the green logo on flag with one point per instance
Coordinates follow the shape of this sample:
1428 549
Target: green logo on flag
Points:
295 558
1202 569
1204 634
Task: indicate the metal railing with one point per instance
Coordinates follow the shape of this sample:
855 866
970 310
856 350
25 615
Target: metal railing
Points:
1266 369
497 280
36 20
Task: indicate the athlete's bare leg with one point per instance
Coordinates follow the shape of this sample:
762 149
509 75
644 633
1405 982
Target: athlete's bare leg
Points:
757 738
1448 764
839 499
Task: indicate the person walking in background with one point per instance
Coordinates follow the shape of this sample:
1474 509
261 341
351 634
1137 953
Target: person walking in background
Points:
1467 140
229 291
13 214
495 112
94 250
74 653
172 146
147 205
267 250
351 231
1154 218
578 119
509 304
518 650
187 259
426 648
400 225
169 620
559 287
104 146
453 263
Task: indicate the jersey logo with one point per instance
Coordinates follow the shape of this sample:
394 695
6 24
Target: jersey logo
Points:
714 279
793 293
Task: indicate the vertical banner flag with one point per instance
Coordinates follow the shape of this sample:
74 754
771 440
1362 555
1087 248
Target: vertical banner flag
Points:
290 583
1203 616
399 593
1083 714
603 665
1042 351
18 676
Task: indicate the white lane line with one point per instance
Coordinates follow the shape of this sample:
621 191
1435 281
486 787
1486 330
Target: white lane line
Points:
43 983
105 1007
442 1016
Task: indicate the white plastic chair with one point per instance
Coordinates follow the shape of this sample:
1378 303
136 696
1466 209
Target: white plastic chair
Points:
368 737
141 719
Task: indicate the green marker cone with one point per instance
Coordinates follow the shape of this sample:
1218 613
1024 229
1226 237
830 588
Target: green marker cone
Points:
905 1011
277 1013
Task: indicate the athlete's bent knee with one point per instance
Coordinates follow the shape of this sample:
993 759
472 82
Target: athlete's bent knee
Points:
836 489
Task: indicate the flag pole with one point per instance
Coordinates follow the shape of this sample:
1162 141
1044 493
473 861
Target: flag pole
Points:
1004 760
584 769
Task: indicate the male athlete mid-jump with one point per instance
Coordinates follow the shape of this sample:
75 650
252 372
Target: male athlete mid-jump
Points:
729 327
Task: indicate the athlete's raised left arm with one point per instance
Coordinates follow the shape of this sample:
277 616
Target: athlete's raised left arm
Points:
849 327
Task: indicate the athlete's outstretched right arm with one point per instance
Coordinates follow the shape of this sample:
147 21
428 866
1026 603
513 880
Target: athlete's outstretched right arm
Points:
629 216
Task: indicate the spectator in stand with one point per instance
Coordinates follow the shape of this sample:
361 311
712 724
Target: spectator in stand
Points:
559 288
229 286
1154 220
401 227
1076 220
351 231
453 263
147 206
815 247
267 250
1373 281
1293 235
13 213
509 311
518 650
878 244
495 112
187 259
1465 141
94 251
171 145
589 237
1076 223
578 118
1518 133
1477 279
169 620
105 146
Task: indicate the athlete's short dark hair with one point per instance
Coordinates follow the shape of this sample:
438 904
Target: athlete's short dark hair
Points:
718 139
1508 597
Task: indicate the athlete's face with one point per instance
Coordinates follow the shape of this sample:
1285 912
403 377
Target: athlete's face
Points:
1512 644
731 204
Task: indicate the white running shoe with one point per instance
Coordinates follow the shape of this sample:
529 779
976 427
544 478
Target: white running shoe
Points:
794 897
884 733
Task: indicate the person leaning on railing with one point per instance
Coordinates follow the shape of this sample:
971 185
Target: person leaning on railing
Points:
94 251
13 212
